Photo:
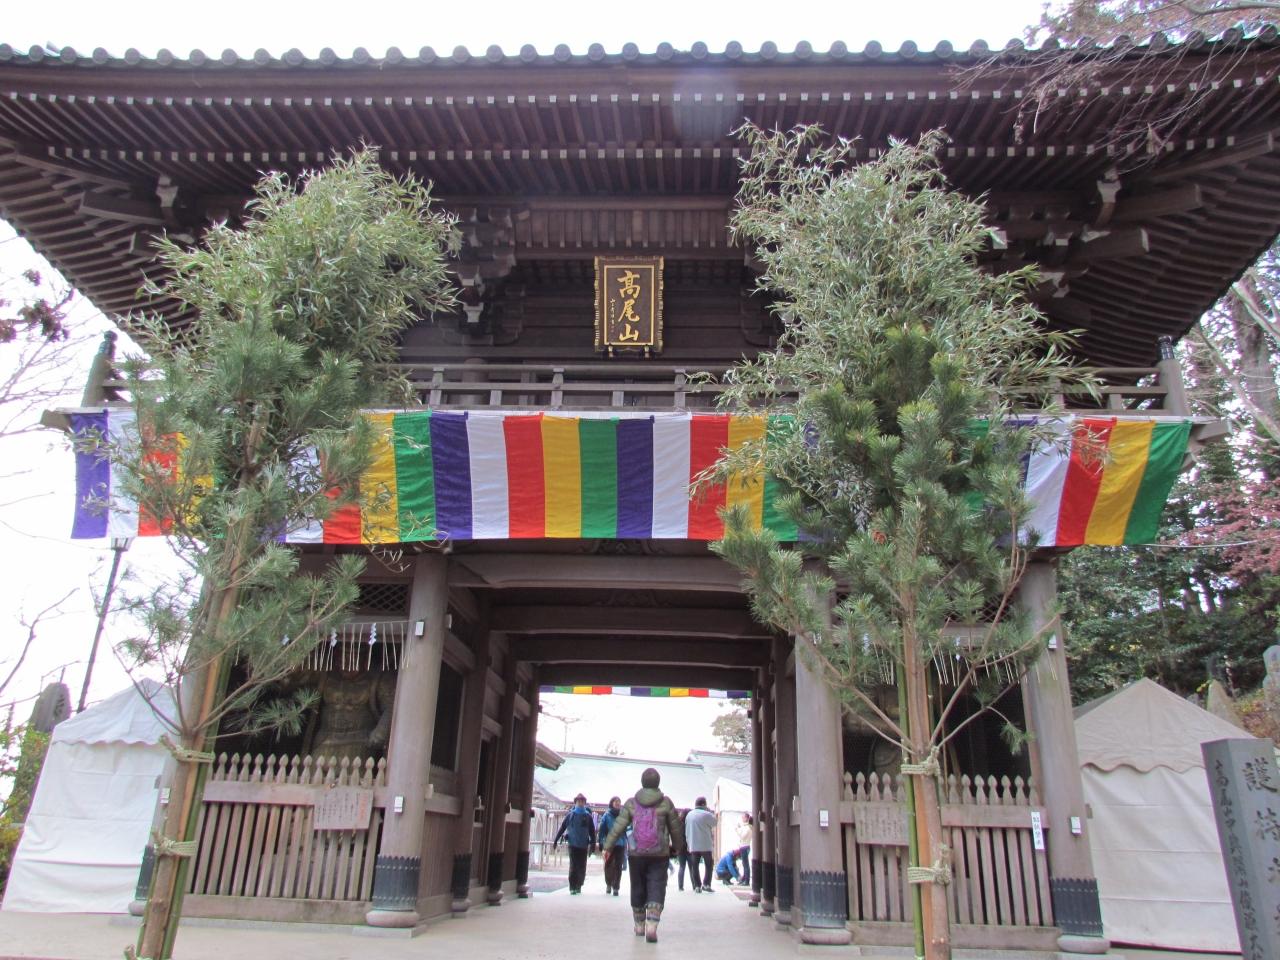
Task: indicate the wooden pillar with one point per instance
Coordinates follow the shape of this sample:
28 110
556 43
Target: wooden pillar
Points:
757 786
785 763
1073 885
502 779
469 774
769 797
1170 374
823 910
527 766
398 868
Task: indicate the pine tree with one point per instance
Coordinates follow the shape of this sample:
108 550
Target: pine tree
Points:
897 372
249 426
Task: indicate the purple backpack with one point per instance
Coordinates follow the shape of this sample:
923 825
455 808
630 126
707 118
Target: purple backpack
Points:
646 837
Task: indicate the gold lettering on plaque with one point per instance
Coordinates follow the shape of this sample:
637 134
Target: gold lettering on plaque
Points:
629 304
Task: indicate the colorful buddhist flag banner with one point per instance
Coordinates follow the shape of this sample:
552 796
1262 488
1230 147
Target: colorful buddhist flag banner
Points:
492 475
697 692
1104 480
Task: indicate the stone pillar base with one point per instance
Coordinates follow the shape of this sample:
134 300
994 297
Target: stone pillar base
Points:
825 936
137 908
1073 943
523 891
392 918
753 900
459 907
766 907
494 896
782 917
395 892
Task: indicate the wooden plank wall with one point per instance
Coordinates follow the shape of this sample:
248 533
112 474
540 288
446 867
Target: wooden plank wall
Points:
999 878
705 319
256 834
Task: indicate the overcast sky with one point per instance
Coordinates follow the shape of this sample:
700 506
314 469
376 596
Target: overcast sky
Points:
37 561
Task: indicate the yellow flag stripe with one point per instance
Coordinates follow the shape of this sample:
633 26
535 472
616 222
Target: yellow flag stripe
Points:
1121 477
562 476
747 491
380 508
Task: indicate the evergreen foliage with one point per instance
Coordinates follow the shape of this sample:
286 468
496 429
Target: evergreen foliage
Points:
249 416
248 426
897 373
900 363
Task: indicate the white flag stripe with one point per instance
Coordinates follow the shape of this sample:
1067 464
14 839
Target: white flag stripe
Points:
490 508
122 432
309 530
1046 474
671 476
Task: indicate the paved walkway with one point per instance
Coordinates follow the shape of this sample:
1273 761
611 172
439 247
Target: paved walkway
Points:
545 927
551 926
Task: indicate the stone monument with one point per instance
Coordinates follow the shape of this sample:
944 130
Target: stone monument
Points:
1245 787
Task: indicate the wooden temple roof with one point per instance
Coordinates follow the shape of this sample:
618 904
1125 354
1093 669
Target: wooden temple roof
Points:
551 158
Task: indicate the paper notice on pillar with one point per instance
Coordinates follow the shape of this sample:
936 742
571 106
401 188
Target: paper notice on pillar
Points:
1037 830
344 808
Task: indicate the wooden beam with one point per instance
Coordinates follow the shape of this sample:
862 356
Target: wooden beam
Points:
1066 310
551 650
562 571
1241 151
41 156
1114 245
95 203
725 252
628 621
1149 206
647 675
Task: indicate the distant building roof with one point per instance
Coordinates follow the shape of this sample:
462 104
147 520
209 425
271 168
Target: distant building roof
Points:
602 777
731 766
545 757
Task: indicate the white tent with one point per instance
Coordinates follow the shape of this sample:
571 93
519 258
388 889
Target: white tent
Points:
1155 844
730 800
89 820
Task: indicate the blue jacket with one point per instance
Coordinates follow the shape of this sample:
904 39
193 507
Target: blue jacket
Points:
578 829
727 866
606 824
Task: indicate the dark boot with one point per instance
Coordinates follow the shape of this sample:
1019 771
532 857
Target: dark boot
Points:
652 914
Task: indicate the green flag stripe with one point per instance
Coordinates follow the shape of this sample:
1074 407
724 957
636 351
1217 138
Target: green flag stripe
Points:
598 453
774 520
1164 462
415 476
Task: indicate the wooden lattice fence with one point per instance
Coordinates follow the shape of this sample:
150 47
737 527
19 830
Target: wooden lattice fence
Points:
258 834
999 864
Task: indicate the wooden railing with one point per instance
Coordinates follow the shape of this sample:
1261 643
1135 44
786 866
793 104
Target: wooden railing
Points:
663 386
586 386
258 836
1000 873
657 386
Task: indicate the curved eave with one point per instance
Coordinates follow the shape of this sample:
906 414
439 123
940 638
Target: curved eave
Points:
86 146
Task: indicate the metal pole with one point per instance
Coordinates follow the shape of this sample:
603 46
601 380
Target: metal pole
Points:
118 546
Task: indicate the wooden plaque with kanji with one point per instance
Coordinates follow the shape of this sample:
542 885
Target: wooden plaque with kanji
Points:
629 304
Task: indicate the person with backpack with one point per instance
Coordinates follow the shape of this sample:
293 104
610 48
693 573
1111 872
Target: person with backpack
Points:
613 866
579 831
656 833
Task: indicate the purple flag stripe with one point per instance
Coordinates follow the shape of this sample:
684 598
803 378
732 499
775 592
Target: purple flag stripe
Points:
451 463
93 476
635 478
